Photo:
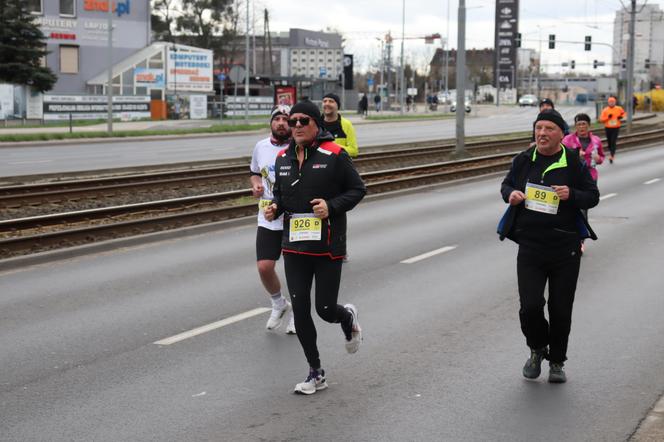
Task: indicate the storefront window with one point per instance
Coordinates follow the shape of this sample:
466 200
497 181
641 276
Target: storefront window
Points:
68 8
69 59
34 6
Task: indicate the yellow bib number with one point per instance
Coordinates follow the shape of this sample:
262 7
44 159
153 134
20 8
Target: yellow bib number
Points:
541 199
262 204
305 227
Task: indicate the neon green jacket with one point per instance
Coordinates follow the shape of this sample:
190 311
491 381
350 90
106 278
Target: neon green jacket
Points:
345 137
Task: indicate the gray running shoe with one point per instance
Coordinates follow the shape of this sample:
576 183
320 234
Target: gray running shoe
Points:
354 335
556 373
314 382
533 366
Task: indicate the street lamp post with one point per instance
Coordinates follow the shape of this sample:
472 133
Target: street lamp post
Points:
176 105
109 85
461 81
401 78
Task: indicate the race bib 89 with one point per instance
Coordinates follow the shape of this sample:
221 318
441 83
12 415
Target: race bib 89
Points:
541 199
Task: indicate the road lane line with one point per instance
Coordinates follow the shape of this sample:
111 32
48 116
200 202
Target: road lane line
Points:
417 258
653 181
15 163
212 326
607 196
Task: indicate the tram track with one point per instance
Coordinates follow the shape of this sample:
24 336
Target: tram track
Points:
31 234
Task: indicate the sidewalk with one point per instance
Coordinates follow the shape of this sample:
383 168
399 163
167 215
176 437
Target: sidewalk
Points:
651 428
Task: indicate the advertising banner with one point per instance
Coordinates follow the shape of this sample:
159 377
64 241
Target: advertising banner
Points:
93 107
152 78
197 107
189 71
6 101
285 95
257 106
507 28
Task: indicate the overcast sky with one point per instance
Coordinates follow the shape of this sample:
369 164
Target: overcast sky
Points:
362 21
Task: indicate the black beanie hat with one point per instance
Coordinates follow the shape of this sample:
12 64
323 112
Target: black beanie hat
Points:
582 117
307 108
552 116
335 97
547 101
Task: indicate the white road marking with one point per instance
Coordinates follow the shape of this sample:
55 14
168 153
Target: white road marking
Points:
417 258
213 326
653 181
29 162
607 196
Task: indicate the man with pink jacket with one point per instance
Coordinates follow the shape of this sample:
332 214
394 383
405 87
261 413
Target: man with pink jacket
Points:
588 145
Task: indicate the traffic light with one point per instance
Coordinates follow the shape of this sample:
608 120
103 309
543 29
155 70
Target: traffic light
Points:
552 41
595 64
518 39
647 63
586 46
623 64
572 64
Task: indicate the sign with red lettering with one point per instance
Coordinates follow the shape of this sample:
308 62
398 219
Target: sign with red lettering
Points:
120 8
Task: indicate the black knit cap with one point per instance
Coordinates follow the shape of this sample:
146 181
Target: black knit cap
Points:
307 108
335 97
552 116
547 101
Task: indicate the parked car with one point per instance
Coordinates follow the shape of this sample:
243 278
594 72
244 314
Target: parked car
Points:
454 106
528 100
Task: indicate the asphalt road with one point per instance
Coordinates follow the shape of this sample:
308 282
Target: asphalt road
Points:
441 358
91 156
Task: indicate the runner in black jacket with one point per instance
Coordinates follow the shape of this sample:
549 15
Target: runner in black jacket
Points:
316 184
546 187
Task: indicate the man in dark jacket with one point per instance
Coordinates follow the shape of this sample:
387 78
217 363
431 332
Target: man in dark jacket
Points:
316 184
546 187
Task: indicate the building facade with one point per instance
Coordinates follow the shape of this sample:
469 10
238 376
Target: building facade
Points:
77 37
648 44
313 55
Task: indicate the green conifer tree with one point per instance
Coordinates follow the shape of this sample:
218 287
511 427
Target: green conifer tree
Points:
22 48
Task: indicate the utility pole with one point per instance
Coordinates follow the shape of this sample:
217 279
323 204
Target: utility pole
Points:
246 78
109 85
447 52
461 81
630 67
401 77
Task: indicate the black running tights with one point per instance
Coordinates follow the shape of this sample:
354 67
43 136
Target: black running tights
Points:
561 271
612 138
300 273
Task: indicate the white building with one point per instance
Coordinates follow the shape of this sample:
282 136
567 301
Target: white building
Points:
313 55
648 44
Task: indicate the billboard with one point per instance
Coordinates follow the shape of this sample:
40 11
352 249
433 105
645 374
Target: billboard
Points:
506 30
92 107
189 71
285 95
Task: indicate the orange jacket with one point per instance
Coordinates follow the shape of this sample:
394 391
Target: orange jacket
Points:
611 116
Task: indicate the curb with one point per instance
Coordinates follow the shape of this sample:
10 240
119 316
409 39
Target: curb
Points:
42 143
651 428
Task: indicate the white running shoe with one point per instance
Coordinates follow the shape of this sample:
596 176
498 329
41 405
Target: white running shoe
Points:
353 345
290 329
314 382
277 316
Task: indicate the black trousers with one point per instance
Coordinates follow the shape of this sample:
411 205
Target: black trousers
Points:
300 273
560 269
612 138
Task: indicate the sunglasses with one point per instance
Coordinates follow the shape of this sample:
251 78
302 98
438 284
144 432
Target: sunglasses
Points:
304 121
